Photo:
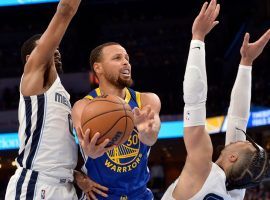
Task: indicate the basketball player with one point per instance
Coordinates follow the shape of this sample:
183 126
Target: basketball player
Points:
241 164
48 152
123 169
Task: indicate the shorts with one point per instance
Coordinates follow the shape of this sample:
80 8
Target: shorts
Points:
31 185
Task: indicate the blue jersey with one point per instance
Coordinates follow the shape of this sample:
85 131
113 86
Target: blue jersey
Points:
124 169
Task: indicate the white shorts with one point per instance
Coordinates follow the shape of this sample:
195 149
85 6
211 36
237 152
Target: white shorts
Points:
31 185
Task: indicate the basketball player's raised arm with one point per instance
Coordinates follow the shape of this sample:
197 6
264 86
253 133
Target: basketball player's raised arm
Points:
238 113
197 140
42 56
147 118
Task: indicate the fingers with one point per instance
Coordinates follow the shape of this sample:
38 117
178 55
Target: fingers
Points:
216 12
95 188
264 38
86 137
91 195
94 139
104 144
215 23
99 189
203 9
246 41
211 8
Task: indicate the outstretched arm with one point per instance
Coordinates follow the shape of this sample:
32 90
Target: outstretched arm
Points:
197 140
41 59
238 113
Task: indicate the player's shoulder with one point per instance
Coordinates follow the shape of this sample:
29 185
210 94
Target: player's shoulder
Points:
149 96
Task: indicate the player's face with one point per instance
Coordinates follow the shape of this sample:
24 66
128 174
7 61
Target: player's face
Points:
238 146
57 61
116 66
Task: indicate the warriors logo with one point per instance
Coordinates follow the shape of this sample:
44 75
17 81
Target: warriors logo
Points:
125 157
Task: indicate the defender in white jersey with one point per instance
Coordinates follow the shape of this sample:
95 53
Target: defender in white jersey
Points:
242 164
48 152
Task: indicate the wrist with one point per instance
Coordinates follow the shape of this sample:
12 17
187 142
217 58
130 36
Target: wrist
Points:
198 37
246 61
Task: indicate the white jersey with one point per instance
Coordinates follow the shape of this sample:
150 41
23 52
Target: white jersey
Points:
214 188
47 143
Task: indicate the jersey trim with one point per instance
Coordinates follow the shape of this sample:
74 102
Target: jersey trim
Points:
37 132
138 99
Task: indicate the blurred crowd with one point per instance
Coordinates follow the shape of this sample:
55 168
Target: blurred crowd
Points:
158 45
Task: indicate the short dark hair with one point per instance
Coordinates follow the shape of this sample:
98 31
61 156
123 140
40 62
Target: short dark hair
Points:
28 46
96 53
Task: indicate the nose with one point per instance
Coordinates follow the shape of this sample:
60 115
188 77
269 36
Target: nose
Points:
125 62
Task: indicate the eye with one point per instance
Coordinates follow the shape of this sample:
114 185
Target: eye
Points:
117 58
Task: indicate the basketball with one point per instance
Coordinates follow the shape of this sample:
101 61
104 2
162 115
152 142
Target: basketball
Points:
109 115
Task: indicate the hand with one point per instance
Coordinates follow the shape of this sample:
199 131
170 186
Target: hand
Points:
144 120
205 21
89 187
91 148
250 51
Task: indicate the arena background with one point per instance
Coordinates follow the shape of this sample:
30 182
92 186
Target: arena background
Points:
156 35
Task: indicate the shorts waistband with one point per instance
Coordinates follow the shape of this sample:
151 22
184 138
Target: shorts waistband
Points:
42 177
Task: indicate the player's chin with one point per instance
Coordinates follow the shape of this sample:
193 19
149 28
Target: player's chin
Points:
126 82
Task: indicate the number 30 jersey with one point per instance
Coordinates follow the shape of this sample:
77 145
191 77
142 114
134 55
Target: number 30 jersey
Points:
124 169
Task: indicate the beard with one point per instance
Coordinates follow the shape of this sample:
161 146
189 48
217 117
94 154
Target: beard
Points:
118 81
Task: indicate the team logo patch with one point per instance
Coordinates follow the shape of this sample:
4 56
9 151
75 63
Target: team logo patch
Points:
187 117
43 194
125 157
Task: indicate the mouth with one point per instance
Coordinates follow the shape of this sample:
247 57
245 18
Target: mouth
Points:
125 73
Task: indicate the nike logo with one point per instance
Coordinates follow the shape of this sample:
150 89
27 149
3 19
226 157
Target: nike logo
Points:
196 48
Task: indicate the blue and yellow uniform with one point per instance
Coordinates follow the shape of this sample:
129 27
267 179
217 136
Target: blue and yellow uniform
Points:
124 169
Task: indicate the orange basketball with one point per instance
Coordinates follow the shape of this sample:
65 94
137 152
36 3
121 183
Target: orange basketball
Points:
109 115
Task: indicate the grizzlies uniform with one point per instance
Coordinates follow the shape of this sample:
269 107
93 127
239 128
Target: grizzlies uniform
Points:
48 152
212 189
124 169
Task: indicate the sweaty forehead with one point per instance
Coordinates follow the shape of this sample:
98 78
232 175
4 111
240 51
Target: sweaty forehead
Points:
247 144
113 49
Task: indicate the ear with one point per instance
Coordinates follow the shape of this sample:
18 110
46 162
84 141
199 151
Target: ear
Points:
27 56
97 68
233 157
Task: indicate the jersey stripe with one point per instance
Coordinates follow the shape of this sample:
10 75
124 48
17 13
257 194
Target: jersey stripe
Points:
37 132
28 113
